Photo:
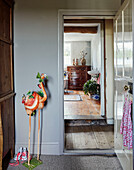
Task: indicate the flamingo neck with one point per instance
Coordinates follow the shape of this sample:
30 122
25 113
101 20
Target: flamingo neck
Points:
44 92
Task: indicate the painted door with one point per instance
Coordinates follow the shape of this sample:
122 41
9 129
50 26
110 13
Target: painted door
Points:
6 81
123 68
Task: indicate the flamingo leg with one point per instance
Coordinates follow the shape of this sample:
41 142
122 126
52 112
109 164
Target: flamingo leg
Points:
29 139
38 133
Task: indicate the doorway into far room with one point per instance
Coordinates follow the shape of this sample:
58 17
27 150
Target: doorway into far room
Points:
82 70
84 86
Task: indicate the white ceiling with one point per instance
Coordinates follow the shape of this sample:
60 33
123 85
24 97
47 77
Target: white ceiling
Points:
78 36
81 24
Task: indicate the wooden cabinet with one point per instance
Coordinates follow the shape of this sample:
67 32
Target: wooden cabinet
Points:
77 76
6 81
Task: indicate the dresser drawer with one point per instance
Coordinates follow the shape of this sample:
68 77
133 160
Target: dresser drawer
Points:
79 78
75 83
76 86
77 74
71 69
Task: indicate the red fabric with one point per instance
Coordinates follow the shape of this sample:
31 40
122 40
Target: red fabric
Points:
98 80
21 159
17 162
126 124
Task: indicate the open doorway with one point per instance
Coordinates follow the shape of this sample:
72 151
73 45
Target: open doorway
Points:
84 79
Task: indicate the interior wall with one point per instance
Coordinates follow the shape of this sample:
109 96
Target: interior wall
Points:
96 52
36 50
77 47
109 71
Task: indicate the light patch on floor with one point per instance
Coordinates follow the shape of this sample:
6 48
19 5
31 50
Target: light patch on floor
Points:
89 137
72 97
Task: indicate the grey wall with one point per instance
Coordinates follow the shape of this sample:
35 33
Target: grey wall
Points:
96 52
77 47
36 49
109 71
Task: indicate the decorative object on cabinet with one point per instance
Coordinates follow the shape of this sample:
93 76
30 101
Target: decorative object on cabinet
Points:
73 61
33 101
77 62
83 60
77 76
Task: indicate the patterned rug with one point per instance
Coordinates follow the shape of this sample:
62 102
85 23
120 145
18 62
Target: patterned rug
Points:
70 97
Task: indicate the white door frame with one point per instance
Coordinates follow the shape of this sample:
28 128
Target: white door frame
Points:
89 14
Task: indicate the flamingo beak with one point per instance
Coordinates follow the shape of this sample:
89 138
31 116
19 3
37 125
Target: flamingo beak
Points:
42 76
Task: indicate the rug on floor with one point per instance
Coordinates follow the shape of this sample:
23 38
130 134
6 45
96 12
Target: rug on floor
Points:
71 97
75 163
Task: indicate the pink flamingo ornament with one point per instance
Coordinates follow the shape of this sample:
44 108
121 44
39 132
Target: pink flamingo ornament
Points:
33 101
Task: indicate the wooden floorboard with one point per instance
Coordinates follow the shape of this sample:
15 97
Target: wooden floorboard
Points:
89 137
100 137
87 107
109 134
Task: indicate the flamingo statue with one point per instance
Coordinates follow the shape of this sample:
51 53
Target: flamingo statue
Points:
33 101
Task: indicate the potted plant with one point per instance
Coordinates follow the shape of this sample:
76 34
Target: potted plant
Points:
91 87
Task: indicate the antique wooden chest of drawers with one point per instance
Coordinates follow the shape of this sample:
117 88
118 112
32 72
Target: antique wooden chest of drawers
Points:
77 76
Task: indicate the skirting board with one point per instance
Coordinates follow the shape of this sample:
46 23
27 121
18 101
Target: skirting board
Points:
47 148
110 121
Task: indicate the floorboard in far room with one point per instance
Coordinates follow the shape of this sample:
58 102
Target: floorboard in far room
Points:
88 108
89 137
